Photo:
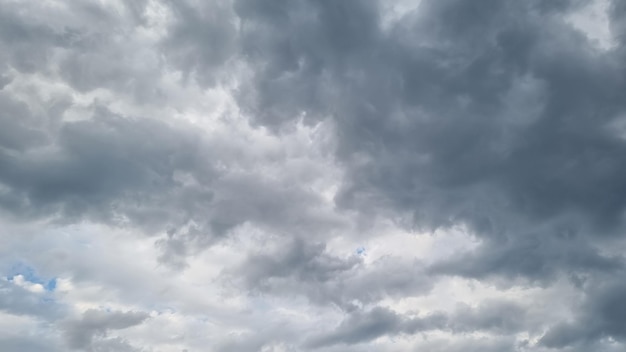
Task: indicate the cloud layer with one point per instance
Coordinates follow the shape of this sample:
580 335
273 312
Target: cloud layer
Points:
440 175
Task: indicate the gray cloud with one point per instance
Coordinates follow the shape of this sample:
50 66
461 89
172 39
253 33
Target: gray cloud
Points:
148 174
96 163
531 256
471 345
19 301
504 120
202 39
492 115
307 269
19 130
363 327
80 333
501 317
28 344
600 316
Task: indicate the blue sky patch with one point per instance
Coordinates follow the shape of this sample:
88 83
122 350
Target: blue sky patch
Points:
30 274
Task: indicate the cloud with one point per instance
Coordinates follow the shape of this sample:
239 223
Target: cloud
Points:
27 345
96 323
20 298
361 327
214 165
201 39
501 317
94 165
457 114
309 270
600 316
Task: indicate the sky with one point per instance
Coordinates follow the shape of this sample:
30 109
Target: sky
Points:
312 175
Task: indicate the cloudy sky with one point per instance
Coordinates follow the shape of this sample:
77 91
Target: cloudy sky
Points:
312 175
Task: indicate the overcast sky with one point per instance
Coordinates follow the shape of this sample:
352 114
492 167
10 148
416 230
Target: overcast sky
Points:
312 175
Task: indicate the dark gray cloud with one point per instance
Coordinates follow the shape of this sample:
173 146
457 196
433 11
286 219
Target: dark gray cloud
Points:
494 115
202 39
532 257
96 163
297 52
499 116
600 316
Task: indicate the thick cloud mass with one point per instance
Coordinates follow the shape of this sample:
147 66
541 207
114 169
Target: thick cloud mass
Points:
252 175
